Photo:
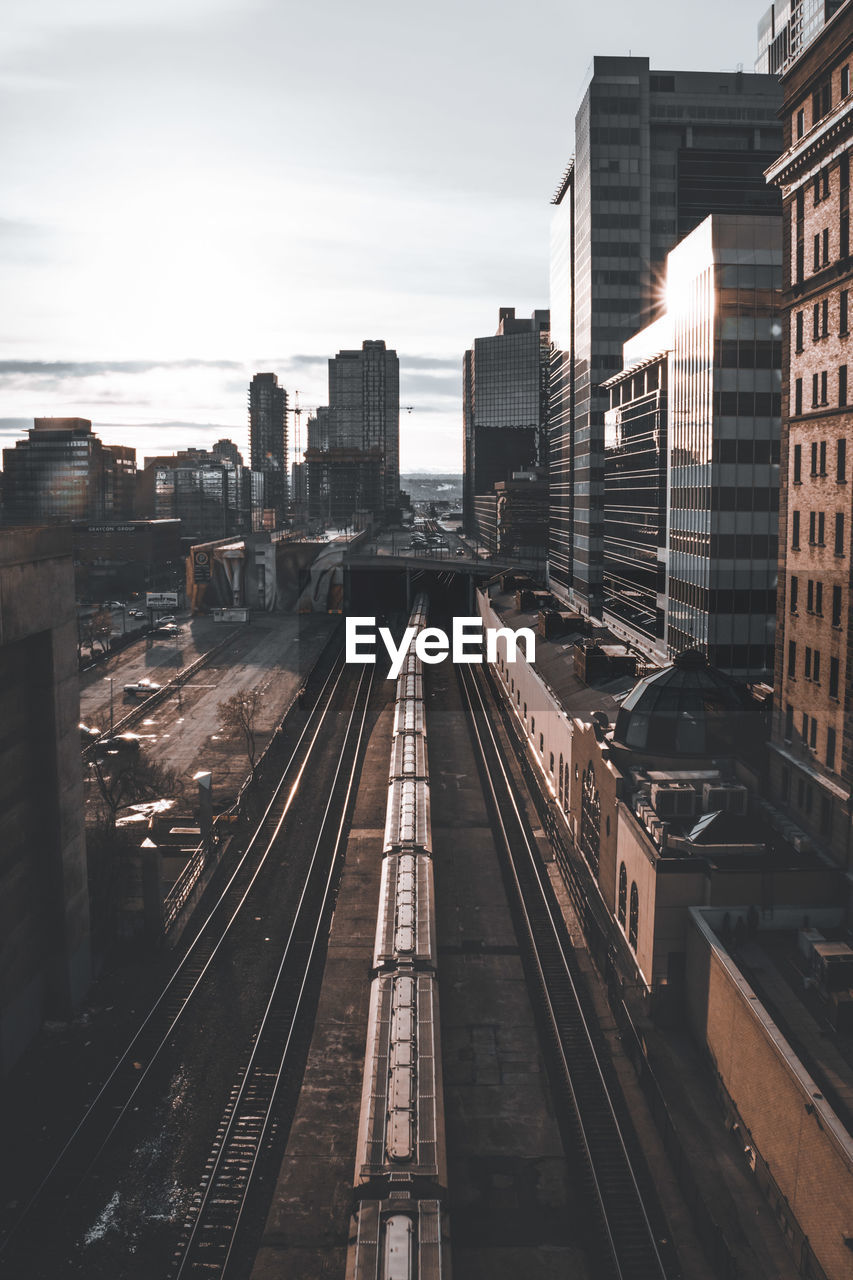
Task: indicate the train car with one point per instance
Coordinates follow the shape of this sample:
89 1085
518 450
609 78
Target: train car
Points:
401 1126
405 926
407 821
408 757
409 717
412 665
410 687
399 1239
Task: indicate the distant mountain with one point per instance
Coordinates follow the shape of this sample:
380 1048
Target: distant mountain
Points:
426 486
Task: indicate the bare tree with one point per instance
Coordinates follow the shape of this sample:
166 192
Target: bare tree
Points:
101 629
239 714
127 777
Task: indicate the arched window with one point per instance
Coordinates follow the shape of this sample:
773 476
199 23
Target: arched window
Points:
560 792
590 819
623 895
634 917
551 763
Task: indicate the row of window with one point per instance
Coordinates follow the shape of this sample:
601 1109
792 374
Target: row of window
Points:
822 104
814 598
811 667
805 800
809 734
820 320
817 531
818 451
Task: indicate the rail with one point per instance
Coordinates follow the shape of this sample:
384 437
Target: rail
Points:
630 1250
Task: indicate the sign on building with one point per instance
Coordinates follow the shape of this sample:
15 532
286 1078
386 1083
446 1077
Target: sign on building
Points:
161 599
201 566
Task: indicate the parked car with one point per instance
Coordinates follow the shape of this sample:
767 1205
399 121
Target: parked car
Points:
167 617
142 688
121 742
113 604
136 613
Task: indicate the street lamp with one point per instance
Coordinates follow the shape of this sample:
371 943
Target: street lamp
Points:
110 678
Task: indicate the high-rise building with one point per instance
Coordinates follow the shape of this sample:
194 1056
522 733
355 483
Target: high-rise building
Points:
212 496
268 440
44 897
504 406
353 450
691 461
811 758
787 29
228 451
63 472
655 153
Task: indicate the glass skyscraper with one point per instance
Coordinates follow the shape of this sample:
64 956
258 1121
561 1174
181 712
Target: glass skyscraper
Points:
268 439
655 153
504 405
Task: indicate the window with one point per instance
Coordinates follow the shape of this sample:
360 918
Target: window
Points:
822 464
821 102
532 725
792 659
789 722
836 606
801 122
842 311
551 764
818 599
816 186
798 396
825 244
842 385
816 666
833 677
525 711
810 596
807 663
824 387
814 457
805 729
824 183
815 322
622 908
813 734
814 393
798 455
845 80
816 253
812 527
634 916
824 318
821 528
590 834
795 531
542 744
841 460
799 330
794 592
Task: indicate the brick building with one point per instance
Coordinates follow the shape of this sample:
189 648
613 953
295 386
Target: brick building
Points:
812 740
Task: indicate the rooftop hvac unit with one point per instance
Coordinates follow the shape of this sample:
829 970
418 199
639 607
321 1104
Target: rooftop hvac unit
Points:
729 797
674 800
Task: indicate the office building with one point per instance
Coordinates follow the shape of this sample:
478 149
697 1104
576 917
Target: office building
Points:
504 406
63 472
44 899
655 153
787 29
691 460
811 757
268 440
210 495
353 453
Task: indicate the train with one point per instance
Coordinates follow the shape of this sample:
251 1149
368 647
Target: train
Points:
399 1224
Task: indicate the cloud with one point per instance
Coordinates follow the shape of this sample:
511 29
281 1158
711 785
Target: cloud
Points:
97 368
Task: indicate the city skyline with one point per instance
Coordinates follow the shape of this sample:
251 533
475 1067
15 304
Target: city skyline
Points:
238 197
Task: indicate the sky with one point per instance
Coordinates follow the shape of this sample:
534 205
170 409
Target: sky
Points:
196 190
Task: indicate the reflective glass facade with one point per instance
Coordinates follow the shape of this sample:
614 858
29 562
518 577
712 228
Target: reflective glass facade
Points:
364 418
268 439
787 29
723 293
505 404
62 472
655 152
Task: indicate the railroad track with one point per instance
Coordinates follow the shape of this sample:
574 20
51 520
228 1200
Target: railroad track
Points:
250 1118
627 1247
117 1095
